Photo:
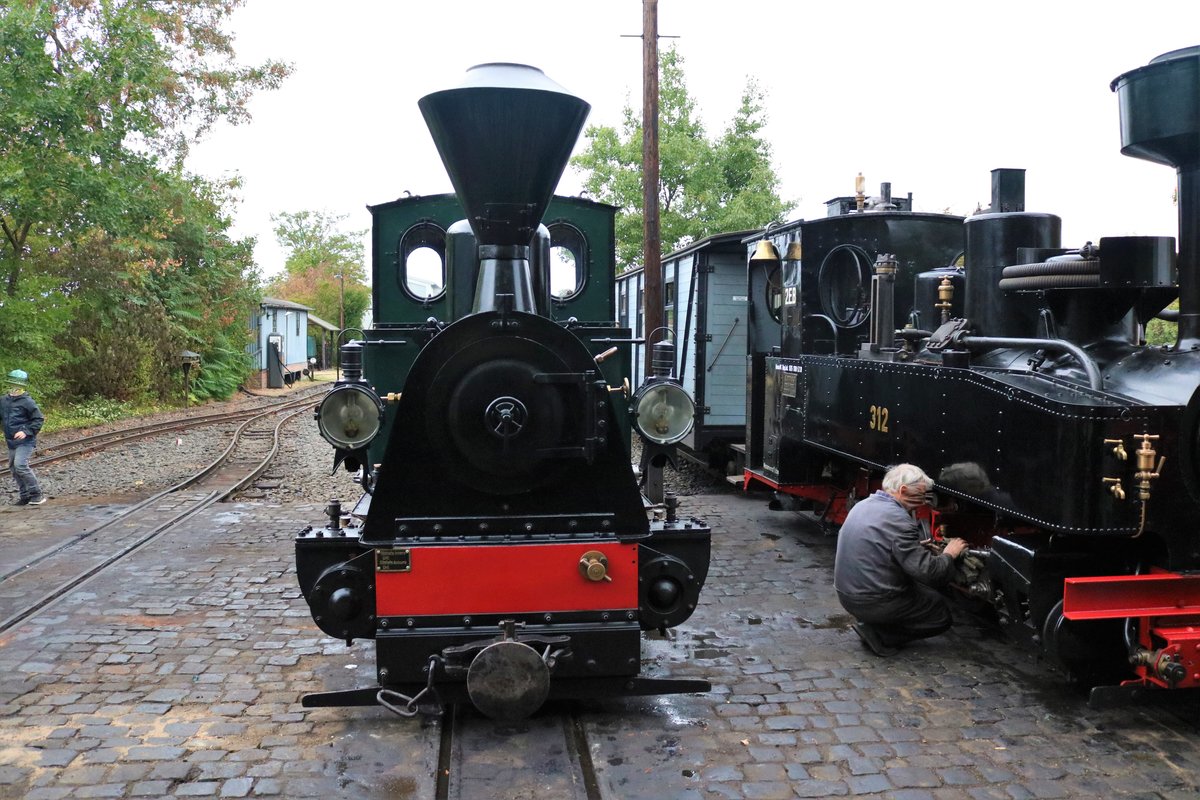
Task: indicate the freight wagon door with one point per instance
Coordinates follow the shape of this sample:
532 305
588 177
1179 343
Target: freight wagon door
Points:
719 368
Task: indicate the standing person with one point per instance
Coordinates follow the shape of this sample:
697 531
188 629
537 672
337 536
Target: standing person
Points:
22 421
883 575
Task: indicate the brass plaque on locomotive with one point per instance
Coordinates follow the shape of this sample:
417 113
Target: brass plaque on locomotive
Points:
787 384
395 559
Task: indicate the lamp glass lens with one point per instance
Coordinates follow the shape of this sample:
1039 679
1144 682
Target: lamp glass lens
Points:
349 418
664 412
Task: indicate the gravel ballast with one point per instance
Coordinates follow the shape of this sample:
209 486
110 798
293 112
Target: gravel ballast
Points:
300 472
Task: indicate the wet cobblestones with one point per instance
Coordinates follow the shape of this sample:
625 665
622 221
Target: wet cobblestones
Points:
178 673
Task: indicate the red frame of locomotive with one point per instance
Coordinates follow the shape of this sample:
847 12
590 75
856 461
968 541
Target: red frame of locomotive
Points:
1166 606
495 580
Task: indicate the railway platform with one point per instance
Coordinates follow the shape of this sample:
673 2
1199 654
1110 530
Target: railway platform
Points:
177 671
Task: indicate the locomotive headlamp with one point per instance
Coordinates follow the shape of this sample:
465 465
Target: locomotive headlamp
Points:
665 411
350 416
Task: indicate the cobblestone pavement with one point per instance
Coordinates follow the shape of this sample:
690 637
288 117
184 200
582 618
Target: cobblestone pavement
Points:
178 673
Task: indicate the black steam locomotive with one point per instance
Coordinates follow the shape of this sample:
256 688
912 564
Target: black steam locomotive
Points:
502 553
1014 370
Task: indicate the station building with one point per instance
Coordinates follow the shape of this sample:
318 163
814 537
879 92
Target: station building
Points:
279 343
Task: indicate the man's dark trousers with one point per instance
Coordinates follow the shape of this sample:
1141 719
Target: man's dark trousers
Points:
918 613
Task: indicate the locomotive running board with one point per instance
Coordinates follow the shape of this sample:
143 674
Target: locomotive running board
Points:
562 689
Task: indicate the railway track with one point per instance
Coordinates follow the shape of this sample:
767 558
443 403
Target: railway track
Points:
53 573
547 755
84 445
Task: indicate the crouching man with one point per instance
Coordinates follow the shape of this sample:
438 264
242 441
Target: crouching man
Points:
883 575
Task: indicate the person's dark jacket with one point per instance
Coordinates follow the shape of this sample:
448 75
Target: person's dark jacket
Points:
20 413
879 551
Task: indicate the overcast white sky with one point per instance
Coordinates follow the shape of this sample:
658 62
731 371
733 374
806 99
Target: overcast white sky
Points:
928 95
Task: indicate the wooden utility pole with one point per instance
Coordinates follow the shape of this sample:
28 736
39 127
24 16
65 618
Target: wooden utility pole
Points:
341 301
652 295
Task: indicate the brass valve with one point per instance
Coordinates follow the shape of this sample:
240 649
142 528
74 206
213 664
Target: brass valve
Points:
624 388
1115 487
945 298
1118 449
392 397
1164 663
593 565
1146 470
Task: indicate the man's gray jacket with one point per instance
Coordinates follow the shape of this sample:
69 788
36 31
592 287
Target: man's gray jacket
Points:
879 551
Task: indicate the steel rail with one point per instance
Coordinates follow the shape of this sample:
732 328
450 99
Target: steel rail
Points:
99 441
576 749
577 744
233 443
185 483
63 589
209 499
266 461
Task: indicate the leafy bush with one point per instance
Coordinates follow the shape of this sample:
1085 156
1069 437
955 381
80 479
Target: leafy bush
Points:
90 411
226 366
100 409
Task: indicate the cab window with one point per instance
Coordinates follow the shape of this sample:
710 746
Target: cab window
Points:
568 261
421 255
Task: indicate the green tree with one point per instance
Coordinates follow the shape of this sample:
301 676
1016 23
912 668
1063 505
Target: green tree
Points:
139 303
112 258
95 91
324 267
705 186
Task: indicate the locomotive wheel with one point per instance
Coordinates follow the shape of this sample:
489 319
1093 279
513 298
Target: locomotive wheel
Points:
1085 650
508 680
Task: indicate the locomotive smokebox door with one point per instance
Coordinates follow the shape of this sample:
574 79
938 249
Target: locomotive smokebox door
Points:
508 680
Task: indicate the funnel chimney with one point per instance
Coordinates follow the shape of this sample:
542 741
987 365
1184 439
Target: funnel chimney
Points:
1160 122
505 136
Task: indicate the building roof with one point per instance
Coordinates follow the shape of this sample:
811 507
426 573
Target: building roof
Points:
274 302
708 242
313 319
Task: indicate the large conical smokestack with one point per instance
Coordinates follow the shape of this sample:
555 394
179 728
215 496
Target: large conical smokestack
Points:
1160 122
505 136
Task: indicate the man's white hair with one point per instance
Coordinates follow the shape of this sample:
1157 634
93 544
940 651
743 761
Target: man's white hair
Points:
906 475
